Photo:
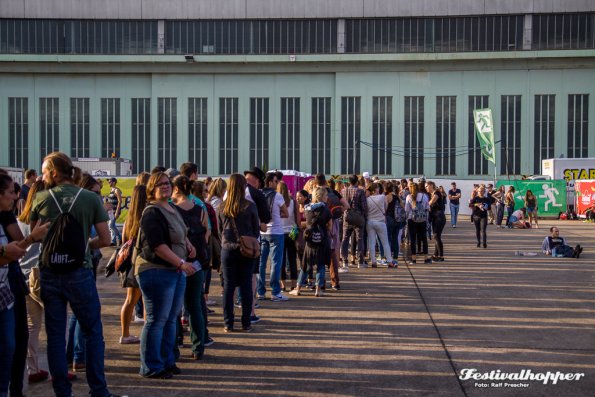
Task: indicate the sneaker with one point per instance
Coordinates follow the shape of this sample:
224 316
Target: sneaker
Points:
374 265
129 340
227 330
247 328
261 297
279 298
344 269
256 305
160 375
78 367
209 342
238 304
362 266
319 292
336 287
138 319
210 311
393 265
211 302
254 319
38 377
174 370
427 261
294 292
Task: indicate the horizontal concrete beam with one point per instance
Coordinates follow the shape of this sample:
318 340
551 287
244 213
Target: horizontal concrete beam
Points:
270 9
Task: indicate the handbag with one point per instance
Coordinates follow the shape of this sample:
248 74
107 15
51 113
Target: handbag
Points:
249 246
354 217
124 256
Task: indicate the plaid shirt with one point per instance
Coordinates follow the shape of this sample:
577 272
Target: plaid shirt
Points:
358 196
6 296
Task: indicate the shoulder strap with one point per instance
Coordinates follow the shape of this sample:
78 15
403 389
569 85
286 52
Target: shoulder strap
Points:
71 205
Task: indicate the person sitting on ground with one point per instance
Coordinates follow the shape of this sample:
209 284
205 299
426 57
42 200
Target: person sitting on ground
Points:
556 246
517 220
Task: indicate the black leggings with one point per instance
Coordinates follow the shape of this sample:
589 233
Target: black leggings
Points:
438 222
289 259
418 232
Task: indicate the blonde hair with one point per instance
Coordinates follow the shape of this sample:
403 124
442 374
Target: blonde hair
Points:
235 201
318 194
26 213
309 186
284 191
217 189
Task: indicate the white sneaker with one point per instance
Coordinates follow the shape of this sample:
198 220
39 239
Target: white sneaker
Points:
129 340
211 302
343 270
294 292
138 319
279 298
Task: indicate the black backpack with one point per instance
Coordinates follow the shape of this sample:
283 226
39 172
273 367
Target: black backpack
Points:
64 248
314 234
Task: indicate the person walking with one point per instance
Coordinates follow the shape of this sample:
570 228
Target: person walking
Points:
75 287
161 268
454 197
237 217
115 199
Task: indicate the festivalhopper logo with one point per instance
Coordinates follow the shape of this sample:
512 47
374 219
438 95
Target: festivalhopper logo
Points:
524 375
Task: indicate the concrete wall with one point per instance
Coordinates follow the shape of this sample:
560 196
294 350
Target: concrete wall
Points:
259 9
461 84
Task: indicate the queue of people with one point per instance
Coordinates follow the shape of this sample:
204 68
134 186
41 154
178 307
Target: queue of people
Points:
177 231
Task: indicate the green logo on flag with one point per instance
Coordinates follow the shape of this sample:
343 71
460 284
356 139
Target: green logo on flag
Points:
485 133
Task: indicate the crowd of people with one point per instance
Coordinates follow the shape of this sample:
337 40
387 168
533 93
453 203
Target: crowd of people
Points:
178 233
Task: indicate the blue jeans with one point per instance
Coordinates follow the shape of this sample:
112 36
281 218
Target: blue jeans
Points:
77 288
7 346
75 348
320 271
273 243
163 294
563 251
454 214
115 233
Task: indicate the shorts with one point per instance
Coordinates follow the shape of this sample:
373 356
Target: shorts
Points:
513 219
531 210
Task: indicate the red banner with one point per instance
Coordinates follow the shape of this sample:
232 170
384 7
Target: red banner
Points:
585 195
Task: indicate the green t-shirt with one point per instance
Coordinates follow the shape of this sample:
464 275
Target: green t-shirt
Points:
87 210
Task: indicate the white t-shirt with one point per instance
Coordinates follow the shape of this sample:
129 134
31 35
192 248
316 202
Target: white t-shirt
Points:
289 221
518 214
275 226
376 208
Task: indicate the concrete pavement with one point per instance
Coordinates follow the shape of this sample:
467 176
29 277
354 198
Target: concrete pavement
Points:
405 332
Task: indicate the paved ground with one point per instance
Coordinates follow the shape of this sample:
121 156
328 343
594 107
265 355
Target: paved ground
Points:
407 332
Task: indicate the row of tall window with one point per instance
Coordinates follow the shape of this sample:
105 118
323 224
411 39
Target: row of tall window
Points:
299 36
382 149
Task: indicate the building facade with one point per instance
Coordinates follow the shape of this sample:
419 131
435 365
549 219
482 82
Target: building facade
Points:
336 87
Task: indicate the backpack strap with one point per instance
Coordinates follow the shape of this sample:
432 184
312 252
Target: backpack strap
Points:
71 205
